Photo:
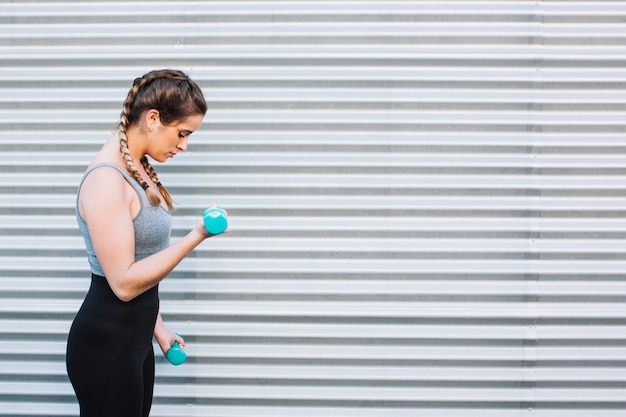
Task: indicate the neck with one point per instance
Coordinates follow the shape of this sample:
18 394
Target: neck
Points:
135 140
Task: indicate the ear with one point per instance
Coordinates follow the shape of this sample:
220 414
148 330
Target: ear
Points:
152 119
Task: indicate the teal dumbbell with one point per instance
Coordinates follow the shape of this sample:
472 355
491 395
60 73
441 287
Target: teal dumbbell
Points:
215 220
175 354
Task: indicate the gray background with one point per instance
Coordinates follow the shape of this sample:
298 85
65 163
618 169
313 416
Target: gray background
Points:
427 203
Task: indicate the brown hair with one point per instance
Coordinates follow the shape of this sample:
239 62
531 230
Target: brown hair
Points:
175 96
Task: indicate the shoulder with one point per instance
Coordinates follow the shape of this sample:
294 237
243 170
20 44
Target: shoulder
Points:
105 188
105 175
104 185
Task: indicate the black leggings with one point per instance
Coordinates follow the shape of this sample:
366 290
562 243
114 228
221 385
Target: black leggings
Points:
110 360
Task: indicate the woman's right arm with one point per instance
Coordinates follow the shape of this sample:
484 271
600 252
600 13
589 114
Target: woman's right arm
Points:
106 203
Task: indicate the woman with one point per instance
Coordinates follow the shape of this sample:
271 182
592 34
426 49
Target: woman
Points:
123 213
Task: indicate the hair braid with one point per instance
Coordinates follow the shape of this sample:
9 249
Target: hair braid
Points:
175 96
122 126
155 179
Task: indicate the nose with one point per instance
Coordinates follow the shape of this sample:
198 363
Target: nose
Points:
182 144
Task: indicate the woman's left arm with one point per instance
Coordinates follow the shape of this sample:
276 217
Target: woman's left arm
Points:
164 337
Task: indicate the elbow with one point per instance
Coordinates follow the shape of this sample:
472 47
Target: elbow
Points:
125 297
123 292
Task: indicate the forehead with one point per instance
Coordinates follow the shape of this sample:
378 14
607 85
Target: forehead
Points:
190 123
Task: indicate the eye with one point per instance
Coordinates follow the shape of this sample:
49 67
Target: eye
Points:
184 133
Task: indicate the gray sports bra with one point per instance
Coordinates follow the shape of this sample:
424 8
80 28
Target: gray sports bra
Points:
152 224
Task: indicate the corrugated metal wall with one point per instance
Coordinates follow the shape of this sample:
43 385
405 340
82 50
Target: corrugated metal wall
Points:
428 203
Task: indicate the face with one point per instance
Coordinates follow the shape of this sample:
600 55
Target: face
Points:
173 138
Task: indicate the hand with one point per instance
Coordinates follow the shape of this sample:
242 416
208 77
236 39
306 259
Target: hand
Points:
166 339
199 227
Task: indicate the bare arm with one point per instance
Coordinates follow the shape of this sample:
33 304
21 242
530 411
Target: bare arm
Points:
146 273
164 337
107 203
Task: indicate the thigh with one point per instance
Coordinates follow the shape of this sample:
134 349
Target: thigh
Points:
109 353
128 389
110 378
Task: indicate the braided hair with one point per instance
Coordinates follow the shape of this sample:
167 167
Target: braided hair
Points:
175 96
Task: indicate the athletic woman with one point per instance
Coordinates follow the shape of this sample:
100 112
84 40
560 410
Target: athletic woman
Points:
123 213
